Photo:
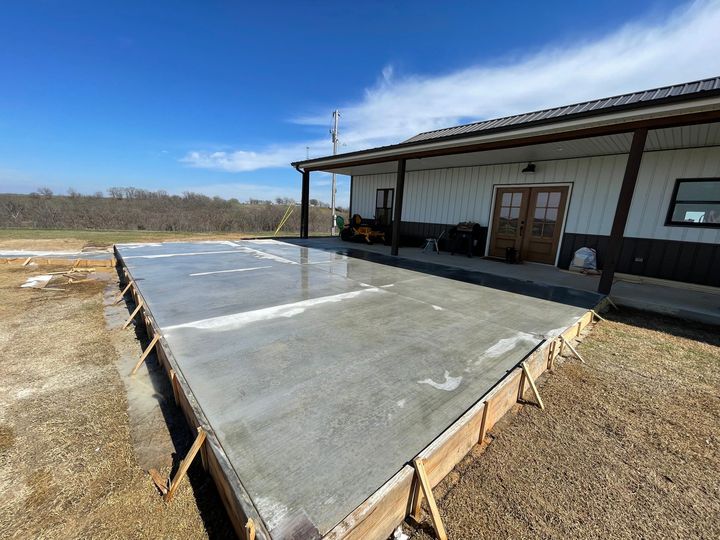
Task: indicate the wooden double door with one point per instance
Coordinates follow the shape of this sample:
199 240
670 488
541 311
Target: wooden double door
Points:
529 219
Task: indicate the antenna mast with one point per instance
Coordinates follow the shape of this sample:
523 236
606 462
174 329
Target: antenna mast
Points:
334 134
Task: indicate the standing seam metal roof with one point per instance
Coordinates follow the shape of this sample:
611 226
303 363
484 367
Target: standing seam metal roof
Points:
644 97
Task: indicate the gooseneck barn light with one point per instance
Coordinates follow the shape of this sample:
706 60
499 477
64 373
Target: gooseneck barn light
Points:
530 168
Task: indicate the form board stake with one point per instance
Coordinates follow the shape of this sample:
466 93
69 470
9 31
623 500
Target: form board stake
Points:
577 354
124 291
250 528
527 376
145 353
132 315
185 464
423 487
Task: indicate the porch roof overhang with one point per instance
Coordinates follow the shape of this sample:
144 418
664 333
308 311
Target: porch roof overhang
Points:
686 123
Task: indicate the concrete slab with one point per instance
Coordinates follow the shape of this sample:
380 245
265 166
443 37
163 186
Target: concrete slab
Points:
322 374
686 301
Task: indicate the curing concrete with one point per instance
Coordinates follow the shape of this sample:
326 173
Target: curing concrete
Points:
321 374
676 299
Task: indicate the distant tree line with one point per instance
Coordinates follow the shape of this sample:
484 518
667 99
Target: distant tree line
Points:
135 208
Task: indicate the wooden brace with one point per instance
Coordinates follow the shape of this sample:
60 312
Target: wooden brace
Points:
124 291
145 353
185 464
132 315
526 375
577 354
422 487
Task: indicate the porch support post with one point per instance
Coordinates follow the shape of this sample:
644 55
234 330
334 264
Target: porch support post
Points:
623 209
397 214
305 205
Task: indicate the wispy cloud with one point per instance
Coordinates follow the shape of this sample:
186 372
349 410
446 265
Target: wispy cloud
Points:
643 54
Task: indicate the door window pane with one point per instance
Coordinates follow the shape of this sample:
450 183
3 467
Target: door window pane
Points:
554 199
542 198
551 215
517 199
540 213
506 199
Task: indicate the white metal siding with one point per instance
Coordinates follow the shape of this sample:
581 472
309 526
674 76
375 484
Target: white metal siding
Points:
465 193
655 184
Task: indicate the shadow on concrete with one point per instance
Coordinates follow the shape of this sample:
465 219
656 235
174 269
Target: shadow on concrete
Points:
543 291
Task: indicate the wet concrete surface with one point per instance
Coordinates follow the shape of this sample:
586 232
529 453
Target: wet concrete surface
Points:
321 373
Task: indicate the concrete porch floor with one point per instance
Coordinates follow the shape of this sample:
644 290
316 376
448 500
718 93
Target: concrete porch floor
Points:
667 299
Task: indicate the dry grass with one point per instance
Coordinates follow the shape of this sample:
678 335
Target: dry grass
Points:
67 466
627 447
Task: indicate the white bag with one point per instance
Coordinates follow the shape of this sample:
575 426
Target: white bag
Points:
585 259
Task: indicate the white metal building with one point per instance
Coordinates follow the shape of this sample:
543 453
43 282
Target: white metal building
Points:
637 177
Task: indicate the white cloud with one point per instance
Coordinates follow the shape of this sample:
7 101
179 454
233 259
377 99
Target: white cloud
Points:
643 54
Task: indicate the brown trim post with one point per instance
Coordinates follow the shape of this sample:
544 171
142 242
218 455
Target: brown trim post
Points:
397 213
623 209
305 205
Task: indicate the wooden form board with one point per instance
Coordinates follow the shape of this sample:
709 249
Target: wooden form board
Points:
379 515
76 263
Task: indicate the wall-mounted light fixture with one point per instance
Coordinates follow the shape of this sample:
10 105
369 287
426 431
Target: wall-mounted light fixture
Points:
530 168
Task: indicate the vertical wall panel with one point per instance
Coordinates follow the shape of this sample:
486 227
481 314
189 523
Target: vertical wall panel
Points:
456 194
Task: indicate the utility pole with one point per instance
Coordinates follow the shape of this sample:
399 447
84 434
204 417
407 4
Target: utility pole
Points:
334 134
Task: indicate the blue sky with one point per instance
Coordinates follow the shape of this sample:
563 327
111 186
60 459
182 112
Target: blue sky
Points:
219 97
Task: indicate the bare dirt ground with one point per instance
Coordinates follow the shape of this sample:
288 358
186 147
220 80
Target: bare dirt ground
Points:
67 464
626 448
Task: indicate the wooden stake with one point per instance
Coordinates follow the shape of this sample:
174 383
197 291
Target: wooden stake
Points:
27 261
173 384
551 354
145 353
596 315
125 290
577 354
532 385
250 528
132 315
185 464
424 483
483 423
